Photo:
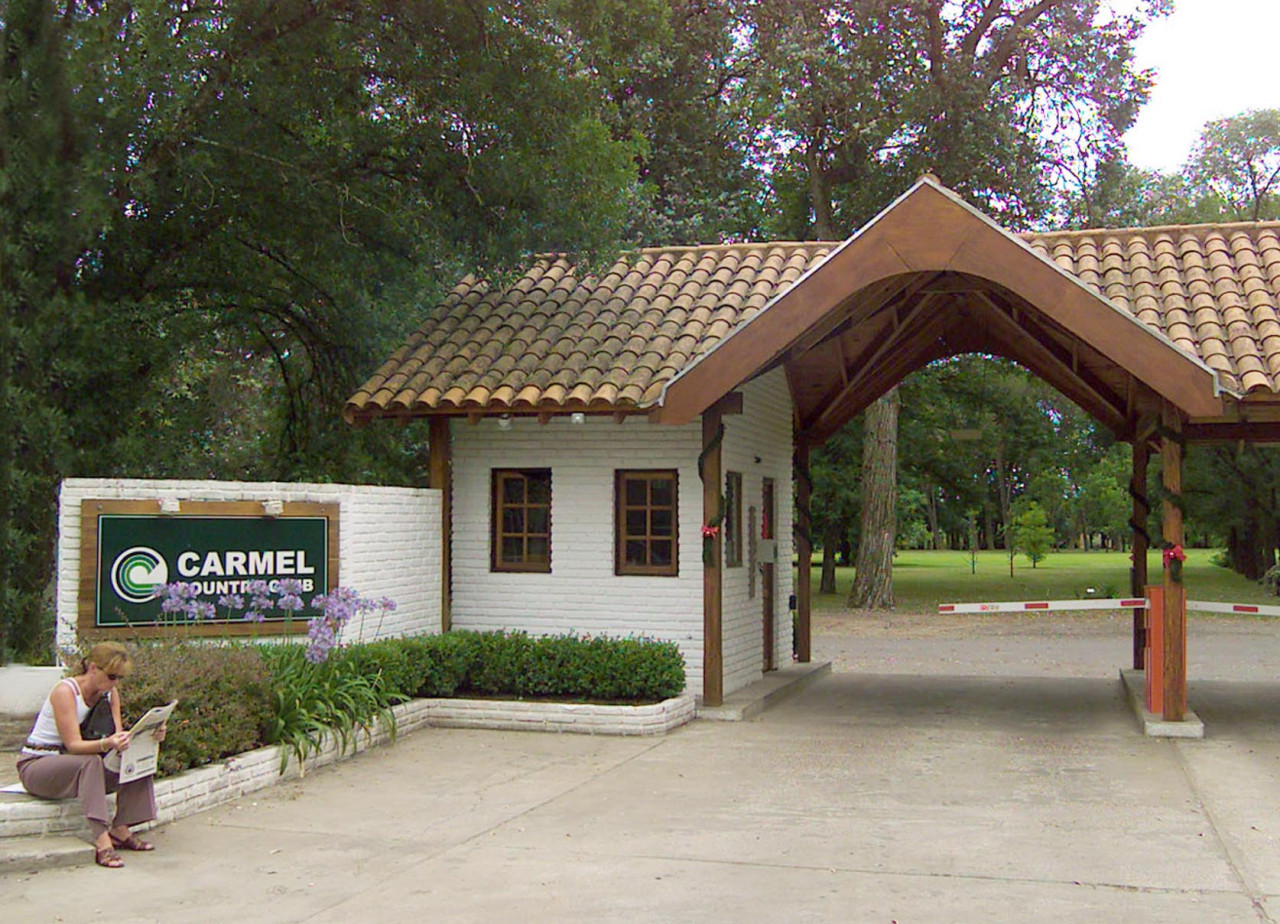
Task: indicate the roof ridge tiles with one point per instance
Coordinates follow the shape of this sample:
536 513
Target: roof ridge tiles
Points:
1144 230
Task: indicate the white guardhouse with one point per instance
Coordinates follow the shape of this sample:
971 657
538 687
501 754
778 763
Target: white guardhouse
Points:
619 453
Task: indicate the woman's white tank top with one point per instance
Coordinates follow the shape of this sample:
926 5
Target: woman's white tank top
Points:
45 731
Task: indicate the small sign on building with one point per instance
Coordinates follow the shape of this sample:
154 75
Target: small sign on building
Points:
130 549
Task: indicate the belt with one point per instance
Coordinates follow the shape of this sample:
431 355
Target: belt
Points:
52 748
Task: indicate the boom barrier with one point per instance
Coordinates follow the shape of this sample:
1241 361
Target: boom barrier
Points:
1112 603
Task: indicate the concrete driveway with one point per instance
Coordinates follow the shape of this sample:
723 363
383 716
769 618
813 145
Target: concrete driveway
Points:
876 797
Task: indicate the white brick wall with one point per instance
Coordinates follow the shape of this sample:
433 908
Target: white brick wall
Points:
581 594
388 541
762 431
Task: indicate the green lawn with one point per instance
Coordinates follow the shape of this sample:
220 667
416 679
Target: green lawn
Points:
922 580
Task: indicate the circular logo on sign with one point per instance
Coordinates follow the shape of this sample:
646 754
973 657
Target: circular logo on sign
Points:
137 572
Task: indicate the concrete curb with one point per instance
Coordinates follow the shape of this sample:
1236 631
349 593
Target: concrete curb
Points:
768 691
1152 725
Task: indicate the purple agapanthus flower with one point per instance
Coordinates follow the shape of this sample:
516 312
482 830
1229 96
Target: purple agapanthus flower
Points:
337 608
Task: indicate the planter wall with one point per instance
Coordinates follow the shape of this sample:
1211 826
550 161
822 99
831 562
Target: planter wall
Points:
206 787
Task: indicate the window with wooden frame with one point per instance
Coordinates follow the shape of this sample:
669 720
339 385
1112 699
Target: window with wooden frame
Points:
645 523
732 520
521 520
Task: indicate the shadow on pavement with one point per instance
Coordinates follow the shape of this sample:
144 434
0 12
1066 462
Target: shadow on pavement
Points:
1039 704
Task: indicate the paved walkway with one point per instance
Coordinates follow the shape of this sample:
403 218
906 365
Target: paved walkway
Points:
874 797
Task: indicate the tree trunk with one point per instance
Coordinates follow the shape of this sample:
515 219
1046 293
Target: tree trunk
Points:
819 191
828 583
931 514
873 578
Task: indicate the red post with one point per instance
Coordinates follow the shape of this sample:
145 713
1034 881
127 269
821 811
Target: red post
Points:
1154 651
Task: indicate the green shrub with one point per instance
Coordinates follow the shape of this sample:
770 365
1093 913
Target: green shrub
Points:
438 663
569 667
385 658
223 695
498 663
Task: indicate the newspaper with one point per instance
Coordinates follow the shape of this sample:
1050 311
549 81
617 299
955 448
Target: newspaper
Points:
141 757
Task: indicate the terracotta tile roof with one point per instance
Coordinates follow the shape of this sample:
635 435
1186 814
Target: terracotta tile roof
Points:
1214 290
553 341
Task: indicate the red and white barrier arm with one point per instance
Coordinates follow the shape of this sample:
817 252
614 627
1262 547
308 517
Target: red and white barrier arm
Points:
1201 606
1119 603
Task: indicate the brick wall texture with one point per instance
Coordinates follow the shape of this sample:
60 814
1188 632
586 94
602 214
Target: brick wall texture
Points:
582 594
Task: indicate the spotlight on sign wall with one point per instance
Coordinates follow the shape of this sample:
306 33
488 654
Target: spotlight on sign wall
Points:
504 422
272 508
170 505
578 417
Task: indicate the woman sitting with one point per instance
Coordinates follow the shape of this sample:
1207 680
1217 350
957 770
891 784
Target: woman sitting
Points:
58 763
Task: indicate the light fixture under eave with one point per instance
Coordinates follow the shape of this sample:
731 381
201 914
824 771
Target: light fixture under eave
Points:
577 417
504 422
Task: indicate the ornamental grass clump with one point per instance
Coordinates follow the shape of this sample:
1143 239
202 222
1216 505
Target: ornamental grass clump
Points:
310 699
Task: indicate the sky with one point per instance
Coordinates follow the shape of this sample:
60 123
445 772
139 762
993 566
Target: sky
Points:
1214 58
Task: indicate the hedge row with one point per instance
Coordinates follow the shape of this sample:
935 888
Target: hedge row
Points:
230 696
605 670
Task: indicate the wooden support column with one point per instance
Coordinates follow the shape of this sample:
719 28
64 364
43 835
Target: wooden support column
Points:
440 476
804 548
1141 541
709 470
1175 600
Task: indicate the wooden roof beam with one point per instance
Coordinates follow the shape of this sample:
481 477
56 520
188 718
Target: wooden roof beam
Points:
914 325
895 359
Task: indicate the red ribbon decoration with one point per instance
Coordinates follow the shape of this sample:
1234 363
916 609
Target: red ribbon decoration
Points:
1172 553
710 532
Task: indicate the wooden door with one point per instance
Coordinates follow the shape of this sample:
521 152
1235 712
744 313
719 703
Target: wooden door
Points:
767 570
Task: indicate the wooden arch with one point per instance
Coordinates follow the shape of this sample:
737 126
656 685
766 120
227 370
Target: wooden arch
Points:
932 277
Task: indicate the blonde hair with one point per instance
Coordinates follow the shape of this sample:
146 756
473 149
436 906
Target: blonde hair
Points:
111 657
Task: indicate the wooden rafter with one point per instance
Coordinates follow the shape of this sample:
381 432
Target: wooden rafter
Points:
1062 373
905 354
916 321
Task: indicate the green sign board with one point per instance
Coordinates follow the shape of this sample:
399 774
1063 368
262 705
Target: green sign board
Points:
221 556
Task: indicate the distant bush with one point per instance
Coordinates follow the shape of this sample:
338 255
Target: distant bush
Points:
223 695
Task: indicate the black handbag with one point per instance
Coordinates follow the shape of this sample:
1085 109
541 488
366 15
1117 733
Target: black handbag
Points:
99 723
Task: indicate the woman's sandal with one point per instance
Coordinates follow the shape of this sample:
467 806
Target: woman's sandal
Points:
132 842
107 856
